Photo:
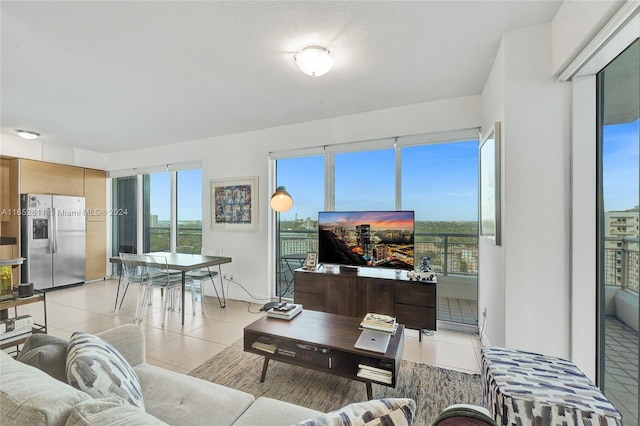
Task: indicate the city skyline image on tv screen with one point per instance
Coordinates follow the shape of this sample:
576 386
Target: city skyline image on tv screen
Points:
368 238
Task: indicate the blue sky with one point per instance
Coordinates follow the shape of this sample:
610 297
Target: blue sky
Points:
620 166
189 195
439 182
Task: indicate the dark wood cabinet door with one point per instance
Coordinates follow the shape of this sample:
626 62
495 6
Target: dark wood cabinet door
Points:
342 295
415 294
310 301
375 295
309 282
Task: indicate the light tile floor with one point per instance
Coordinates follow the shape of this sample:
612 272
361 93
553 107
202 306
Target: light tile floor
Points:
90 307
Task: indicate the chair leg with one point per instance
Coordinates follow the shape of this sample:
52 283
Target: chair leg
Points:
193 294
202 298
139 303
165 301
143 298
124 293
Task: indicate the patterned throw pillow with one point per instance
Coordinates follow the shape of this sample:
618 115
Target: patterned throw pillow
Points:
377 412
97 368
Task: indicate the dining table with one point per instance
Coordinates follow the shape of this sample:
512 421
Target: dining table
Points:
185 263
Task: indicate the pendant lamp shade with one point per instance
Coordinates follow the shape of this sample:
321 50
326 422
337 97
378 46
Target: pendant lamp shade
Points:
281 201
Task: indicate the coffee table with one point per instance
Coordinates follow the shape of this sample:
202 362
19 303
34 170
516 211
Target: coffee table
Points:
324 342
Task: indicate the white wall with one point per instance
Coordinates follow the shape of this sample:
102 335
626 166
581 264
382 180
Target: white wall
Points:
15 146
247 154
491 280
525 282
536 180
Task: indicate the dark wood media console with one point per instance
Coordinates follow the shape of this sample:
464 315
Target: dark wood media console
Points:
382 291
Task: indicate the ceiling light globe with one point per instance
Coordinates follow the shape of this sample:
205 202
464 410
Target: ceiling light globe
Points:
314 60
27 134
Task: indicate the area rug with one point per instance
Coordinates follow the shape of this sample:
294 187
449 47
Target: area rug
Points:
432 388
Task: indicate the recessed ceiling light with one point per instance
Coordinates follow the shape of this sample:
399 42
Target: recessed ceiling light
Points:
314 60
27 134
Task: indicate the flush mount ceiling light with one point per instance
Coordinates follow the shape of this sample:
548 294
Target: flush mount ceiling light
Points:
314 60
27 134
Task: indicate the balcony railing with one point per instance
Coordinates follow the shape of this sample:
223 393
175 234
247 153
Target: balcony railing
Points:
621 261
449 253
160 238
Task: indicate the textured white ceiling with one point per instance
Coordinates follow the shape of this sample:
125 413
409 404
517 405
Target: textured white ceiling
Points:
112 76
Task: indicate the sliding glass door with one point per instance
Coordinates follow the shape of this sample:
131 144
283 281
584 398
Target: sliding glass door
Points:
618 220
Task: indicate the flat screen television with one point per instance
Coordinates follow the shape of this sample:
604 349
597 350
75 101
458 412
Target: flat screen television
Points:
381 239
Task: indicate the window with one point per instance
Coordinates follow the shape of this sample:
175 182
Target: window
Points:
124 197
439 181
189 209
445 202
171 206
157 212
297 229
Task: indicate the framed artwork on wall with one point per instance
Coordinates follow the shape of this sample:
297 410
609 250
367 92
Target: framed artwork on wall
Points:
489 197
234 204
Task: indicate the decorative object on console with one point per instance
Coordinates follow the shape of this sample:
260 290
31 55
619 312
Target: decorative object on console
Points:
234 204
424 274
310 261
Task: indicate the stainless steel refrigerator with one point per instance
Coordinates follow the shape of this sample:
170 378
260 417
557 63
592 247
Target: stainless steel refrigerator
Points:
52 240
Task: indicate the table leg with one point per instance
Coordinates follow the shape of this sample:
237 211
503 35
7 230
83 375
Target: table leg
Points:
264 368
184 277
115 306
224 298
369 391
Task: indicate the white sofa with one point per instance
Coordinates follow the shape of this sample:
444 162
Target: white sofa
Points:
31 396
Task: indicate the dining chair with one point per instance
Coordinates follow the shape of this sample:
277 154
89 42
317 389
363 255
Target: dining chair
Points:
132 271
198 276
159 276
